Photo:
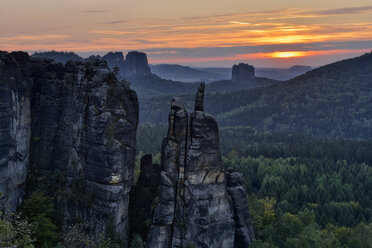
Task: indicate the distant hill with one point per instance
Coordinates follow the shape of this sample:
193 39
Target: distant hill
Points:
208 74
334 100
152 85
282 74
185 73
147 84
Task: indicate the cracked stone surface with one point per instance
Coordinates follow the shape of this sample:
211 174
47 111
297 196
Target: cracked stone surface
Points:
71 126
198 205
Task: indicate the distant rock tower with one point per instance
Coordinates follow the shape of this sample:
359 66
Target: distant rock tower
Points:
136 64
242 72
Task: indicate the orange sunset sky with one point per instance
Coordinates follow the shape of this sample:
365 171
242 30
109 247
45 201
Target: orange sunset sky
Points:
265 33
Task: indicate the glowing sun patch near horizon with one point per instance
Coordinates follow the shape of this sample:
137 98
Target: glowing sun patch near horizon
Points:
289 54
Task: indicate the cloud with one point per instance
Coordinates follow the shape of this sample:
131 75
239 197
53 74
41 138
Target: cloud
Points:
95 11
242 23
344 11
110 32
147 41
114 22
257 56
34 37
216 37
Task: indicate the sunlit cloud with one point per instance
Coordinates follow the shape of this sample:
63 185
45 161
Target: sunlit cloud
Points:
241 23
161 52
110 32
164 37
34 37
289 54
253 56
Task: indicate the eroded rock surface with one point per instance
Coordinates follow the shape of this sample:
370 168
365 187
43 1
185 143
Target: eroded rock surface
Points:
15 126
196 207
81 122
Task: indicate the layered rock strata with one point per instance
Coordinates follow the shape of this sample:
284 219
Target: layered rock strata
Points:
198 206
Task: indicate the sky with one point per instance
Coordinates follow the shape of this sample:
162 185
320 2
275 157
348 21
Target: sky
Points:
264 33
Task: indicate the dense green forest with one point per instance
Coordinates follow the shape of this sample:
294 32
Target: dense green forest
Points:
333 100
303 191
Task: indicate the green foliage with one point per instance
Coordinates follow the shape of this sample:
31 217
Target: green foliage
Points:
15 232
77 237
38 208
137 242
326 186
301 230
305 192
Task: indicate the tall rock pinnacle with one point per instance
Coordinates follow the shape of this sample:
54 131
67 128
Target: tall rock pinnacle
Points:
136 64
198 206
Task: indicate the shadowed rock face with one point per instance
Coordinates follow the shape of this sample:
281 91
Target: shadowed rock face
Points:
81 123
197 206
242 72
15 126
136 64
143 195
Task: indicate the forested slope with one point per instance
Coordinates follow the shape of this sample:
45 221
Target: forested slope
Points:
333 100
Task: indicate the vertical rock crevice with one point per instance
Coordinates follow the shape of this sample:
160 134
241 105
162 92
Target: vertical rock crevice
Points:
198 207
81 123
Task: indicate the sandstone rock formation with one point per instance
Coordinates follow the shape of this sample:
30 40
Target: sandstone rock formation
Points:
114 59
135 63
81 122
242 72
15 126
198 206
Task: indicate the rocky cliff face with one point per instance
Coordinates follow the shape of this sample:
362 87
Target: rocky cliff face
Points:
81 122
242 72
198 205
15 126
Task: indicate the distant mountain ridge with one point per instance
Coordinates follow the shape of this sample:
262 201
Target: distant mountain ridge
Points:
185 73
209 74
334 100
135 69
